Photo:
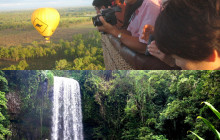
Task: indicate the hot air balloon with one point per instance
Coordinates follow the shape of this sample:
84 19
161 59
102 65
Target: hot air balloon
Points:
45 21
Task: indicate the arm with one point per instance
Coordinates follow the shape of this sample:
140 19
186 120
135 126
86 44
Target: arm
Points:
128 40
131 42
124 31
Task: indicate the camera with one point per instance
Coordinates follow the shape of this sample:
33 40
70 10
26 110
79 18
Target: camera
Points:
109 16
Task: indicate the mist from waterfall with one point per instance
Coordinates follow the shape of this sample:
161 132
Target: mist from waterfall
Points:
67 112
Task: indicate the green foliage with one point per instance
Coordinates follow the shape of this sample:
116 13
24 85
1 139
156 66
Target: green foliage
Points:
21 66
147 134
128 105
197 135
49 76
157 104
210 126
213 109
3 82
3 132
32 88
17 53
84 52
4 121
208 123
62 64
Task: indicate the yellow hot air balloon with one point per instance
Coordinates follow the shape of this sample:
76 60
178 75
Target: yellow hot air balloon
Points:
45 21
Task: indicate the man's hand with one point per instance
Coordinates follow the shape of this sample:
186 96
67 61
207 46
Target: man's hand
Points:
154 51
128 40
107 28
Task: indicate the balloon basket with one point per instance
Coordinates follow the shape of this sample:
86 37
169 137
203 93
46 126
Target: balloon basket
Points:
47 39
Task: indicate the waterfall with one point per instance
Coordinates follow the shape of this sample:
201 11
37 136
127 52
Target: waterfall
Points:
67 112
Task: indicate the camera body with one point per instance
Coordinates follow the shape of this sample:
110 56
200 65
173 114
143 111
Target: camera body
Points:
109 16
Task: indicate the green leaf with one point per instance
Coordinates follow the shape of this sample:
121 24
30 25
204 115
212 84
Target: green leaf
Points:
210 126
213 109
197 135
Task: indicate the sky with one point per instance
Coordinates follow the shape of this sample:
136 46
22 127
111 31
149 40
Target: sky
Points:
6 5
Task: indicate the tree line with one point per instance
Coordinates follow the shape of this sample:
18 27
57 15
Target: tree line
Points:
84 52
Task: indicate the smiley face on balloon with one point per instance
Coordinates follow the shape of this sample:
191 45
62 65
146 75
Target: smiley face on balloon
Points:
45 21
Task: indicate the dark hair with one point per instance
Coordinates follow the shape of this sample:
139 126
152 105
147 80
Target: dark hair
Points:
100 3
189 29
129 10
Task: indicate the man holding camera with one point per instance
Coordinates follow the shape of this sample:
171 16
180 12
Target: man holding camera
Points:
113 9
101 4
138 13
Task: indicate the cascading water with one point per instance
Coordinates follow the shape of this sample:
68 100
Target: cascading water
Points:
67 112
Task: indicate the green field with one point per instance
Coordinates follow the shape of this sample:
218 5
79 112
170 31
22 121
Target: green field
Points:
18 36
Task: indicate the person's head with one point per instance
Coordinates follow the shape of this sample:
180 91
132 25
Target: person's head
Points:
101 4
189 30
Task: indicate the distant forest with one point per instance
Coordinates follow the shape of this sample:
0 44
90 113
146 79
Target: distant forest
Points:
83 53
127 105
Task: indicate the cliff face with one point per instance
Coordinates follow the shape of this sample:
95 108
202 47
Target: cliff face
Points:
14 103
31 124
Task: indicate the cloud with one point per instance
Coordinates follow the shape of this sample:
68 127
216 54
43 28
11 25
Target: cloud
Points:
11 4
